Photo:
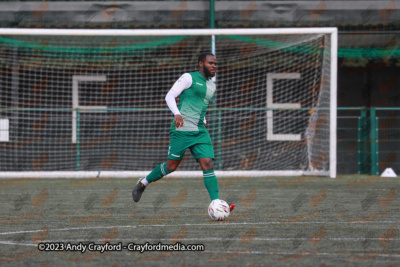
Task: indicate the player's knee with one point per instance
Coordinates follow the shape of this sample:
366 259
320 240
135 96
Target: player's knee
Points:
207 165
171 167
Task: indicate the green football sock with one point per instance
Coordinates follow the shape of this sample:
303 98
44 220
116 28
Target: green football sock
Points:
157 173
211 183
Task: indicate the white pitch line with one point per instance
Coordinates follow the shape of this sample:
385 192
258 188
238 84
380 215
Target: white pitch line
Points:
17 244
188 224
220 239
243 252
68 229
291 253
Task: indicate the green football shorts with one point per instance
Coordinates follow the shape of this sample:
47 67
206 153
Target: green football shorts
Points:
199 144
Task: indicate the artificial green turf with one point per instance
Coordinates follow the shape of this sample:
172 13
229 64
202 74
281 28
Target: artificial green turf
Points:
306 221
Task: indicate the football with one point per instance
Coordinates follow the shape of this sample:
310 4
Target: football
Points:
218 210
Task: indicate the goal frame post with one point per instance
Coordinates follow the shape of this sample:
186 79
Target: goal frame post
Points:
332 31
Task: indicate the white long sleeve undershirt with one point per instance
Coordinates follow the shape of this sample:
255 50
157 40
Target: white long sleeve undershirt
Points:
183 83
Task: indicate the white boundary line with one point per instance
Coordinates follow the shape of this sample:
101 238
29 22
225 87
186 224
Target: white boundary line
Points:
211 239
17 244
180 225
246 251
241 252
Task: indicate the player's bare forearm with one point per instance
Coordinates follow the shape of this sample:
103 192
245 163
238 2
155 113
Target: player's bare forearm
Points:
178 121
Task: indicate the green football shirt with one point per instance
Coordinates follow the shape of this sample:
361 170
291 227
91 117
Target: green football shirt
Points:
194 100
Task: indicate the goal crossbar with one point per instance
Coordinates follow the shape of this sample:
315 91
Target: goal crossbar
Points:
166 32
333 32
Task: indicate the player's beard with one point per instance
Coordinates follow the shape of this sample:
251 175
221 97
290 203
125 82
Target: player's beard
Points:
207 72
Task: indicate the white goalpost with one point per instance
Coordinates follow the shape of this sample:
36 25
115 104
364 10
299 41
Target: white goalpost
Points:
81 103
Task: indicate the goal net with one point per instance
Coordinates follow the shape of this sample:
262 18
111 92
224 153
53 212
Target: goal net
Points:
87 103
